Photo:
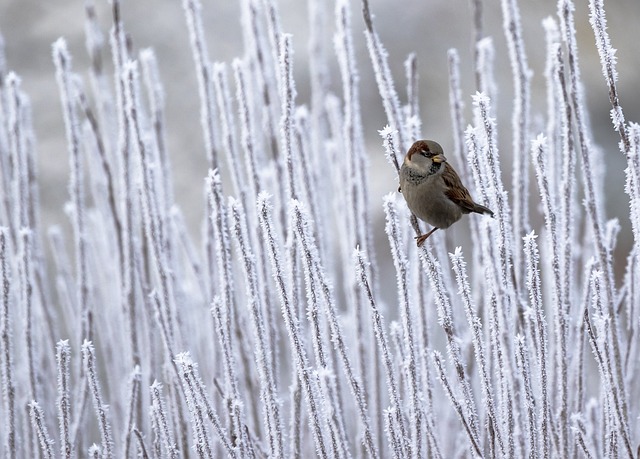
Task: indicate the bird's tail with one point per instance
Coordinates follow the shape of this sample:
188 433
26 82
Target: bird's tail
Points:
480 209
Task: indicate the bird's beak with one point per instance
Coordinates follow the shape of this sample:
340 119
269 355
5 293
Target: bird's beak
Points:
439 159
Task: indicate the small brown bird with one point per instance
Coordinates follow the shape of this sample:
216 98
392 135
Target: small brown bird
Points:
432 188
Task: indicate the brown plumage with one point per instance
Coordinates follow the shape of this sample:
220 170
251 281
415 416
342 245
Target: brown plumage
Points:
432 188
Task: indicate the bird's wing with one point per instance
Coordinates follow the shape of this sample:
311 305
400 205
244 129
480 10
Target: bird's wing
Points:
456 190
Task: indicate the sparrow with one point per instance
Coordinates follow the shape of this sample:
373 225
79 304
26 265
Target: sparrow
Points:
432 188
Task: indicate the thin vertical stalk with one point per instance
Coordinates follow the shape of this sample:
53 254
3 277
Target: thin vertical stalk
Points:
519 122
384 79
271 409
37 420
406 312
315 273
63 360
89 358
291 322
6 335
565 12
62 61
535 295
208 119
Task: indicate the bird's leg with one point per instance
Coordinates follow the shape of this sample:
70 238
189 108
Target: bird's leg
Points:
420 239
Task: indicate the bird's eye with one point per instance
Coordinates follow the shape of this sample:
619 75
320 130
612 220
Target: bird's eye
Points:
426 154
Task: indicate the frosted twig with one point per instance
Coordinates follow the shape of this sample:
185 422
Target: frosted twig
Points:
552 38
63 360
606 366
498 200
503 369
37 421
632 185
18 152
608 60
391 148
266 82
153 223
319 71
445 318
394 436
314 273
437 360
218 218
291 322
565 12
274 29
383 341
561 295
104 163
477 10
151 77
134 394
519 122
579 432
456 105
227 122
195 389
459 267
248 136
485 73
522 361
159 412
188 378
378 56
295 427
406 313
412 116
6 335
220 319
89 359
540 156
263 346
287 97
352 131
141 445
129 248
535 296
26 303
308 172
355 181
62 61
567 178
208 119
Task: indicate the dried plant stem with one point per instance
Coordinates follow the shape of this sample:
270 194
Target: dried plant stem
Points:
205 79
316 275
37 421
89 358
6 335
263 348
62 61
381 336
291 322
540 327
565 12
411 372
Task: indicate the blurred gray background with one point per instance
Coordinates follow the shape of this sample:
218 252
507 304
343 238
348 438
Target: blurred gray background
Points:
427 27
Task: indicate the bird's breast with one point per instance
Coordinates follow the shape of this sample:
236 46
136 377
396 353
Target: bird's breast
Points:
427 200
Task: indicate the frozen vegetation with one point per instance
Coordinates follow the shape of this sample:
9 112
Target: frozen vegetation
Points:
266 336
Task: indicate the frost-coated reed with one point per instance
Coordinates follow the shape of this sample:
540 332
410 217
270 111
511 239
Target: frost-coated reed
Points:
267 336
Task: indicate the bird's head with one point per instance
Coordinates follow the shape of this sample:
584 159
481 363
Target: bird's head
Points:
426 156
